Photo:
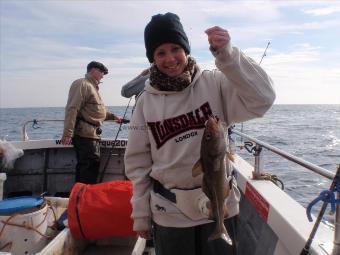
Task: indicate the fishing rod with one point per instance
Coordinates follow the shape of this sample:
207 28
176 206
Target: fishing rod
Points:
334 186
114 143
264 53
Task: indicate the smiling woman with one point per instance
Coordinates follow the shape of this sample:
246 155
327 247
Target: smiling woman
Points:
160 159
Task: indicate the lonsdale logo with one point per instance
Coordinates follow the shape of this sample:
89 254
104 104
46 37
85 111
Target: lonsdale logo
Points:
169 128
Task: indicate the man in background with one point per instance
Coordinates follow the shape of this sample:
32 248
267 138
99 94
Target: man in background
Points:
84 114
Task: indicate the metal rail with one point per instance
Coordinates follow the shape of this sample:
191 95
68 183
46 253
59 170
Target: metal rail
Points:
322 171
35 121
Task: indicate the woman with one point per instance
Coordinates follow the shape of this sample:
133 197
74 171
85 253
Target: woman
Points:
168 124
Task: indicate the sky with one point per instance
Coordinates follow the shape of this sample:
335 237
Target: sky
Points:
45 45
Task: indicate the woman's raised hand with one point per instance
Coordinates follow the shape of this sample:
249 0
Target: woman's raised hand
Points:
217 37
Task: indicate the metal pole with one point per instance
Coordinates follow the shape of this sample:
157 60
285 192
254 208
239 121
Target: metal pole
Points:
24 133
258 162
336 247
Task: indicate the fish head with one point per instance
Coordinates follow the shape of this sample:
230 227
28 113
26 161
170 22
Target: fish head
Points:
213 139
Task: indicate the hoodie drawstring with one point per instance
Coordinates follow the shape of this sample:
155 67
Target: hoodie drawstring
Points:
163 106
191 97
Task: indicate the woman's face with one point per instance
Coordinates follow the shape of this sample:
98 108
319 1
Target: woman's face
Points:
170 59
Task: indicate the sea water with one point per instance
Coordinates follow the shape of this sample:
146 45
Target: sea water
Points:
311 132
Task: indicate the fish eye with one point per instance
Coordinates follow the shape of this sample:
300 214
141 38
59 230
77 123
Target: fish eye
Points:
208 136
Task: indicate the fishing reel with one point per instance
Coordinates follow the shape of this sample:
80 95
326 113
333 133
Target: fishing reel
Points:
125 121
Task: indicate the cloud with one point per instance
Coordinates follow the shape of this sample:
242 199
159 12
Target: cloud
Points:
299 77
46 44
324 11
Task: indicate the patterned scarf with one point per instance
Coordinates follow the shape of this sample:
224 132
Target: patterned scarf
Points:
162 82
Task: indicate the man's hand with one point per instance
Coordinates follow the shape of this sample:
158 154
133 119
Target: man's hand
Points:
66 140
121 120
217 37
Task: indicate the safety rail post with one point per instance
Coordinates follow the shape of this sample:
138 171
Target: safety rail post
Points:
336 242
24 133
35 122
258 161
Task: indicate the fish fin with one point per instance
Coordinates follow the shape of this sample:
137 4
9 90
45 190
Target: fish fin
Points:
226 190
225 212
211 215
230 156
197 168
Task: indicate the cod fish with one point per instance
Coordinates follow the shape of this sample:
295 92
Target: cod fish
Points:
214 184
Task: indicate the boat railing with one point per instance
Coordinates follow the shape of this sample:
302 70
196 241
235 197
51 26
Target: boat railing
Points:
35 123
257 148
260 144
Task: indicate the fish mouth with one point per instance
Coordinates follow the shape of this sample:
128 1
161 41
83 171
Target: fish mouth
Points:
212 124
212 120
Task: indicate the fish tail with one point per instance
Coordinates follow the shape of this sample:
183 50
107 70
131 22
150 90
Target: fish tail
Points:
221 233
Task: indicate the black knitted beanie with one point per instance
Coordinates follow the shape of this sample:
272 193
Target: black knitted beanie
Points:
164 28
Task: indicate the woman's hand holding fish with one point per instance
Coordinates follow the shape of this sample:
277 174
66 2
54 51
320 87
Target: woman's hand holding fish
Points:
217 37
144 234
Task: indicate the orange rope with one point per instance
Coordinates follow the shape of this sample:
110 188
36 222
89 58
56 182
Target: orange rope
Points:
7 222
53 226
5 246
42 220
27 227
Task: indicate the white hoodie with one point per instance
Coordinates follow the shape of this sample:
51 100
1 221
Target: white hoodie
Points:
167 127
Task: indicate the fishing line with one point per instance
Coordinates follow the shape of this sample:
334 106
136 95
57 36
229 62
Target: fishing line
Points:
263 55
114 144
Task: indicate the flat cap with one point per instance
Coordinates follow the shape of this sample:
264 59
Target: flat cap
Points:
100 66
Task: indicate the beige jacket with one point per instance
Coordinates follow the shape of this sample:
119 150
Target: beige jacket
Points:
166 131
84 102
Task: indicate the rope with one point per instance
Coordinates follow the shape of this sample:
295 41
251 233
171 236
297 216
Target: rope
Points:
249 146
54 215
269 177
326 196
26 226
5 246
